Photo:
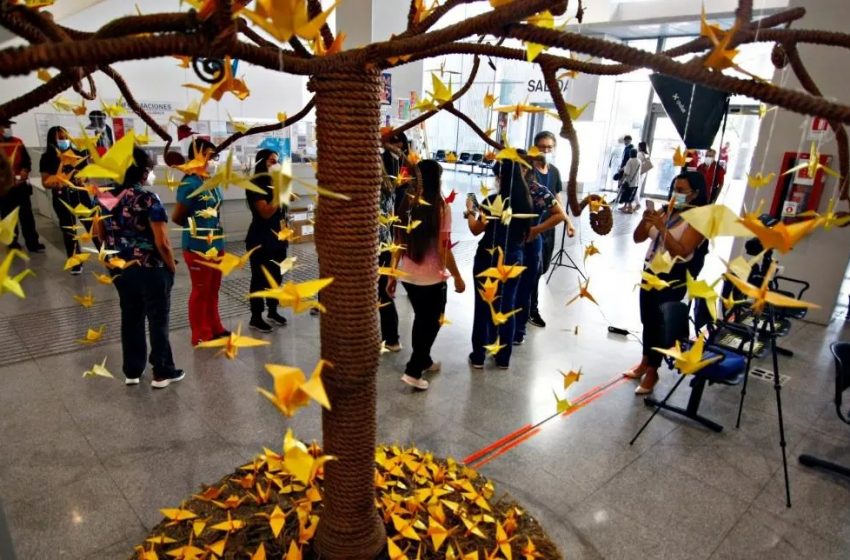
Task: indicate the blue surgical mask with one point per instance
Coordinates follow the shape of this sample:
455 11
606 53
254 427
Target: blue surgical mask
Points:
7 133
680 200
63 144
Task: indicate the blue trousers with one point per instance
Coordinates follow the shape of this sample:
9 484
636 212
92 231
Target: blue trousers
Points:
531 255
483 330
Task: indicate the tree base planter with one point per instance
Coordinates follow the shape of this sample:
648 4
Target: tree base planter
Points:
432 508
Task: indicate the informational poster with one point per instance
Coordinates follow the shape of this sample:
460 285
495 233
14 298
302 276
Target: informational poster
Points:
818 128
386 88
404 109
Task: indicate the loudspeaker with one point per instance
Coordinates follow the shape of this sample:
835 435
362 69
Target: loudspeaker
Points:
707 109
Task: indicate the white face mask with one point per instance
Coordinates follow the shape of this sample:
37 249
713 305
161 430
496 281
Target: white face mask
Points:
150 180
680 200
709 160
274 168
549 157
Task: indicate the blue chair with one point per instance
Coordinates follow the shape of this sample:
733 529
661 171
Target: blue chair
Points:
730 369
841 353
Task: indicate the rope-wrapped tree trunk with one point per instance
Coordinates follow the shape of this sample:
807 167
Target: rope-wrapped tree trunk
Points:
348 133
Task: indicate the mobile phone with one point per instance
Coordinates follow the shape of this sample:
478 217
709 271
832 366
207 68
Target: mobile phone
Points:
650 205
471 196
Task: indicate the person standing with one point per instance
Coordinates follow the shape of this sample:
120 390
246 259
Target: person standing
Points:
103 132
627 150
713 173
267 218
645 167
203 208
629 182
386 304
137 228
501 244
58 164
393 165
667 231
19 195
549 214
426 262
549 176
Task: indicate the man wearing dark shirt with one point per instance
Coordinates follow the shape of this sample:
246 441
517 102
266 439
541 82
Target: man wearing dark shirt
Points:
627 140
19 196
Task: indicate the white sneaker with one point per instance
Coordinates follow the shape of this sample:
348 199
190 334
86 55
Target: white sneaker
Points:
132 381
434 368
165 382
421 384
393 347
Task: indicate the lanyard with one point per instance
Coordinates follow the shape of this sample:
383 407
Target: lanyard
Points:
672 222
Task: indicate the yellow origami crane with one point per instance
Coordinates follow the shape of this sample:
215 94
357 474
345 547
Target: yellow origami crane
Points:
105 279
500 318
529 551
75 260
451 157
391 271
571 377
103 253
691 361
43 75
144 139
812 165
409 226
12 284
394 552
113 109
231 343
590 250
93 335
662 262
494 348
829 219
489 290
299 461
7 227
680 159
98 370
562 405
226 176
544 20
195 166
715 220
442 93
86 301
781 236
758 180
188 115
489 99
583 293
703 290
292 391
63 104
652 282
229 262
721 57
520 108
501 271
114 163
227 83
513 155
297 296
286 264
285 19
499 210
762 295
210 254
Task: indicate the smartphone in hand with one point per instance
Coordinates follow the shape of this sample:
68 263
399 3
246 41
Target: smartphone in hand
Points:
650 205
471 198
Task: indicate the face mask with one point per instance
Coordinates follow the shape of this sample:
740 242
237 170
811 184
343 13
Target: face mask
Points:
63 144
709 160
7 133
549 157
274 168
680 200
150 180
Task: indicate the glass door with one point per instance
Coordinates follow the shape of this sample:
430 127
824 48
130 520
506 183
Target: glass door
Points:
663 142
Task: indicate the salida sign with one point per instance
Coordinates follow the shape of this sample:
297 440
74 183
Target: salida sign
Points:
535 86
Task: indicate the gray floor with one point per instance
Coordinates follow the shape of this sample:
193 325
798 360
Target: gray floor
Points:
86 464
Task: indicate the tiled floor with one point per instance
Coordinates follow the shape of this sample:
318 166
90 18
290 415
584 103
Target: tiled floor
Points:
86 464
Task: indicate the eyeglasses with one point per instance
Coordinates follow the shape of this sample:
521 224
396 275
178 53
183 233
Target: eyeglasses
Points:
546 148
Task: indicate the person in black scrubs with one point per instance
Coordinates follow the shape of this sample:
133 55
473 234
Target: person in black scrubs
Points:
19 195
549 176
54 173
267 217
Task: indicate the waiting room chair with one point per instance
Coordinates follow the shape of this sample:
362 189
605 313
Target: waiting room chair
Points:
841 353
463 158
730 369
440 155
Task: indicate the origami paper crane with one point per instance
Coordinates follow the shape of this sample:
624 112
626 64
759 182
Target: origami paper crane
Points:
680 159
590 250
652 282
500 318
188 115
102 253
114 163
758 180
763 296
501 271
224 177
715 220
75 260
583 293
703 290
543 20
7 227
721 57
12 284
297 296
495 347
561 405
227 84
105 279
98 370
489 99
292 391
520 108
513 155
93 335
812 165
299 461
113 109
662 262
781 236
230 262
231 343
691 361
571 377
830 218
489 290
442 93
283 20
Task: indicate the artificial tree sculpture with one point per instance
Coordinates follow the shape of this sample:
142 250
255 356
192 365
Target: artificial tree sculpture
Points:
346 84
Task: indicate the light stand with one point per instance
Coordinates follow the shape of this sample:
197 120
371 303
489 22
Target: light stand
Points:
559 257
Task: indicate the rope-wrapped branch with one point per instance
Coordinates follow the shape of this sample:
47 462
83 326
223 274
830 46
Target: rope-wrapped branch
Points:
568 131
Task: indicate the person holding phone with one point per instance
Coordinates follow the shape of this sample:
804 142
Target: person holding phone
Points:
666 231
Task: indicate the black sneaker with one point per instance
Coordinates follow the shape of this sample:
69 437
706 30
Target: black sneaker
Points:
222 334
277 318
536 320
162 383
259 325
519 341
37 248
15 245
77 270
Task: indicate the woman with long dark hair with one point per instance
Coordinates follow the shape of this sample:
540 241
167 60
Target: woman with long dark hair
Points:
267 218
57 166
667 231
502 244
426 262
137 228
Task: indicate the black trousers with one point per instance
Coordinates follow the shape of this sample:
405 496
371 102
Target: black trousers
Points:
67 219
145 293
387 309
429 304
19 197
264 257
653 320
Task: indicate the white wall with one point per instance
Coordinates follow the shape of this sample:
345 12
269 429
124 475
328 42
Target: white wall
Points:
821 258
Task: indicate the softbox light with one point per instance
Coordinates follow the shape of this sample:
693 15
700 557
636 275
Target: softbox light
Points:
707 109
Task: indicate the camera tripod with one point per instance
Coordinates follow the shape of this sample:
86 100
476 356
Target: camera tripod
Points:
562 255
